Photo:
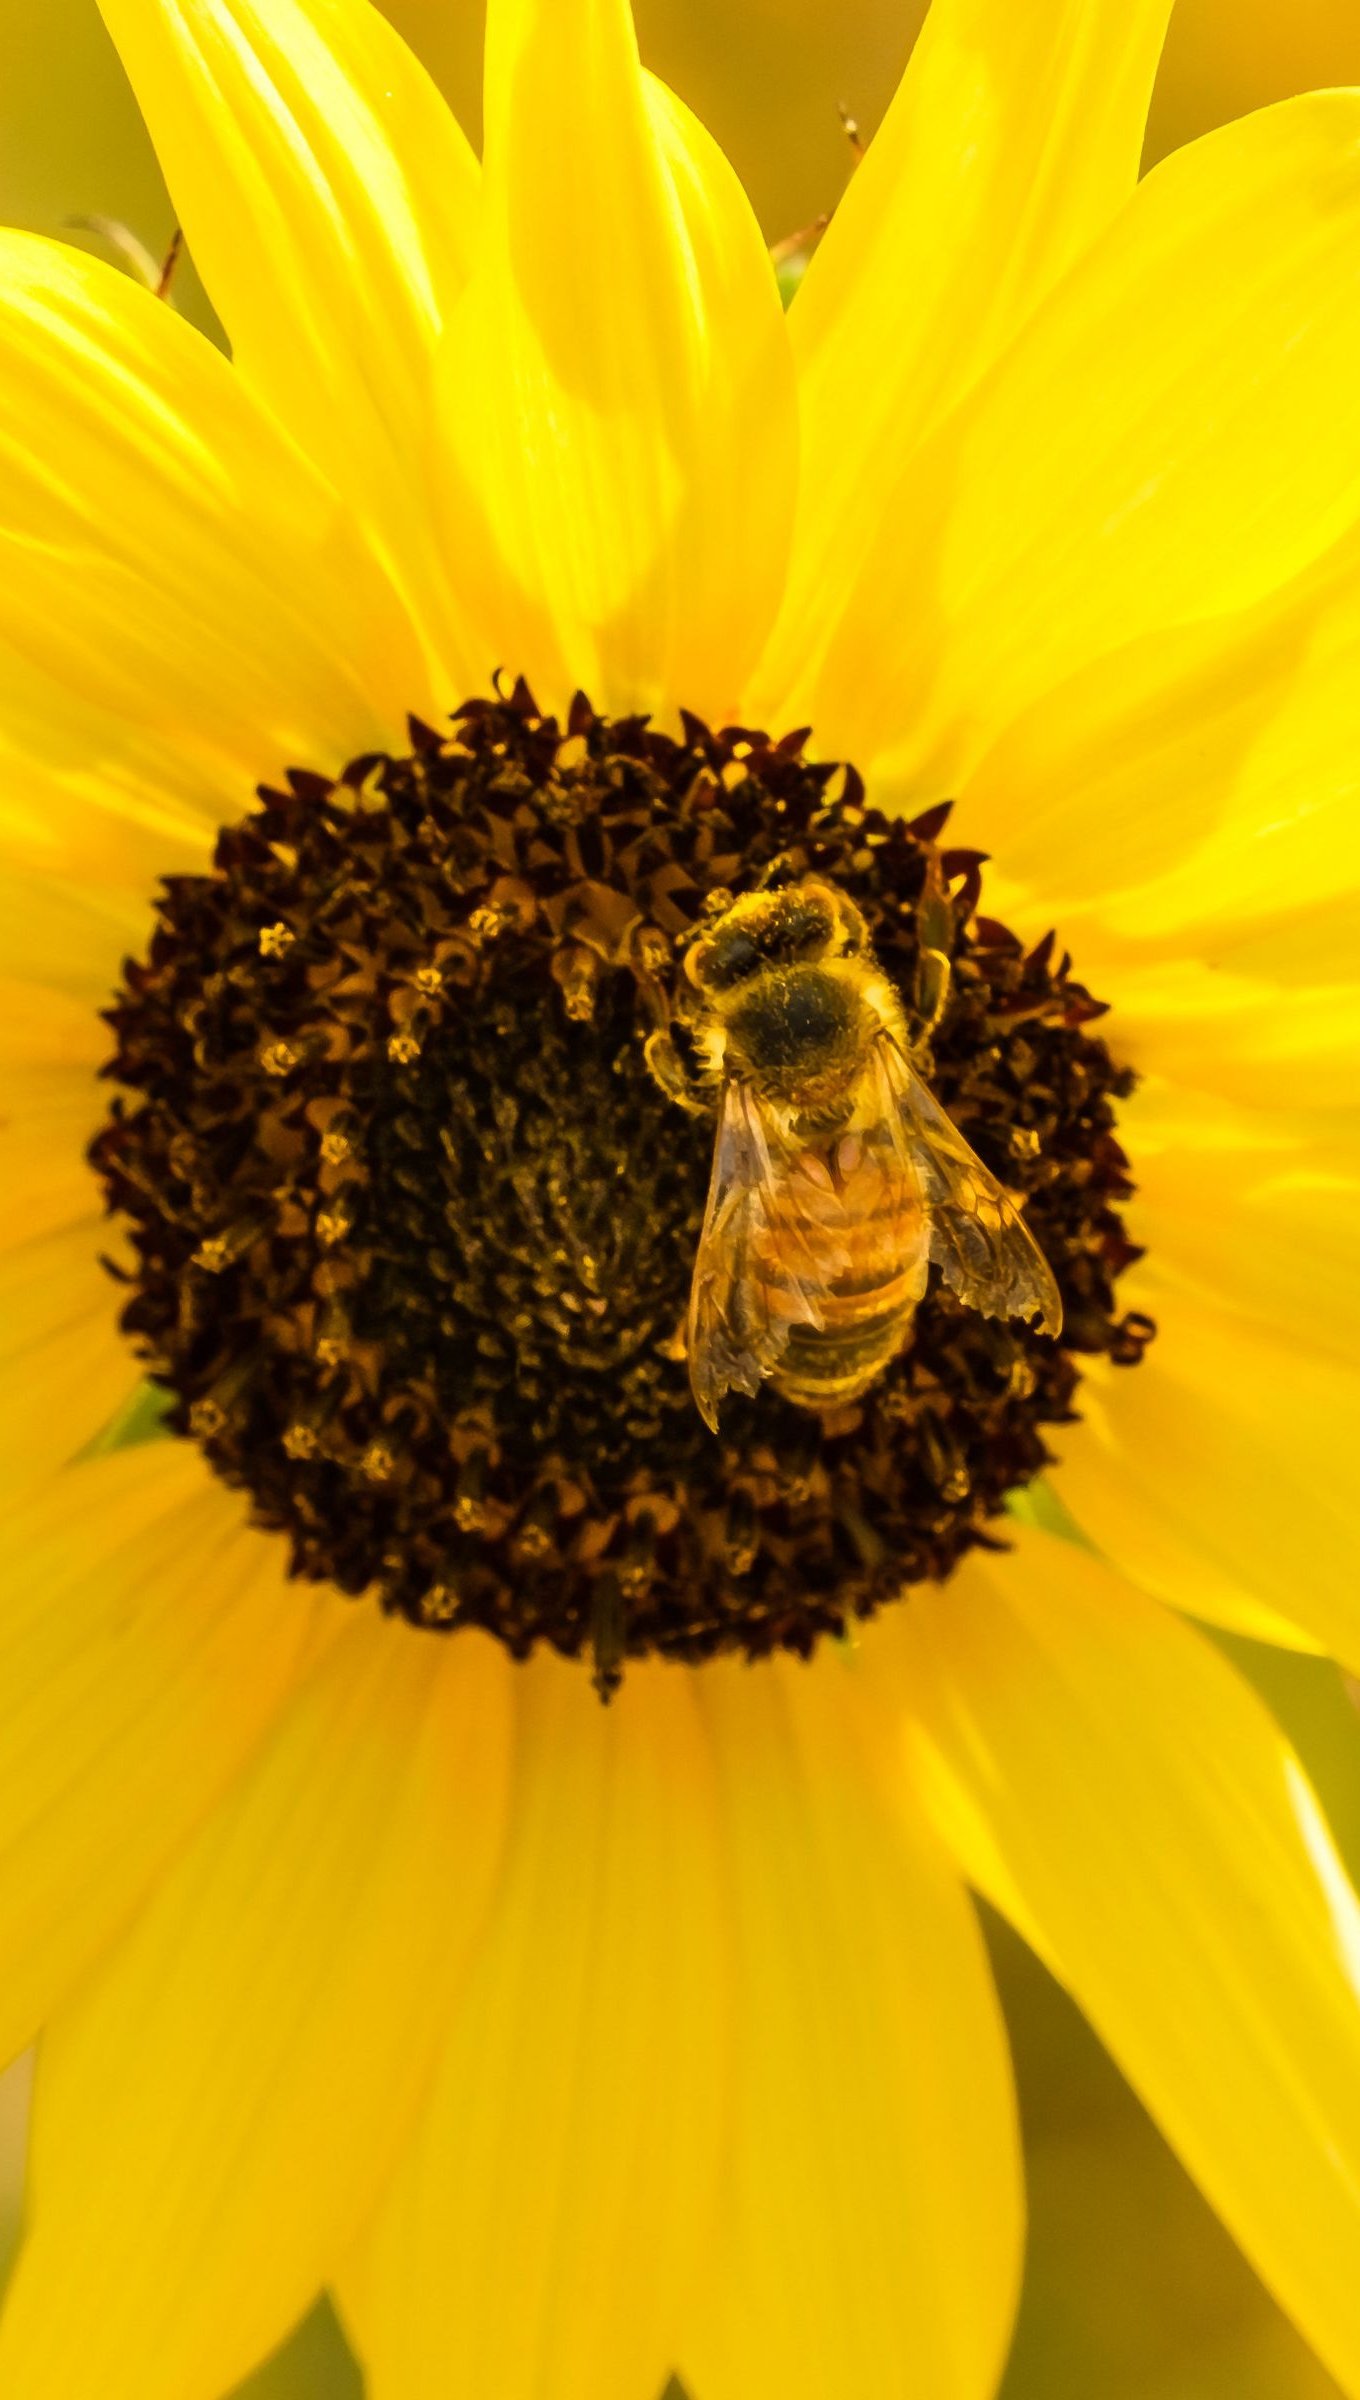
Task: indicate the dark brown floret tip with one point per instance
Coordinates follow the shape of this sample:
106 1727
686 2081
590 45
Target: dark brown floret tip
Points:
413 1224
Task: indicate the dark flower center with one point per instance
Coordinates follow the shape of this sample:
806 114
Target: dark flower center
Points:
414 1223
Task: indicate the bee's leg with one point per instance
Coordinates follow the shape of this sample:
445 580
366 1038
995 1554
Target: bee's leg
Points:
933 973
668 1062
668 1069
935 936
789 866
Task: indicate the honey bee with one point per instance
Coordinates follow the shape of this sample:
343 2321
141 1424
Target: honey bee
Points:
837 1177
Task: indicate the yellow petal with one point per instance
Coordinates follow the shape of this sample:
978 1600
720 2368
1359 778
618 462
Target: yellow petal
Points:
1163 443
618 386
64 1367
1317 942
1165 1839
43 1134
79 861
1252 1209
873 2229
146 1641
218 2110
330 201
1219 1473
1238 1037
52 1045
181 585
1013 139
562 2185
1194 791
88 797
61 934
97 797
47 1033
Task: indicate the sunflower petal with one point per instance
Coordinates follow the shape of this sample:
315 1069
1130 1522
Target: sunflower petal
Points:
1219 1474
620 445
64 1366
146 1641
562 2185
873 2233
1165 1839
104 806
1251 1209
330 201
45 1183
67 935
182 589
266 2027
1239 1037
1198 458
1013 139
1194 792
51 1047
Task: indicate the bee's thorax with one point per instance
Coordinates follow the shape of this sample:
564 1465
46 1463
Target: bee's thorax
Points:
802 1035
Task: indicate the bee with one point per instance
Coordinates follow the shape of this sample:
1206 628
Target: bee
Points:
837 1177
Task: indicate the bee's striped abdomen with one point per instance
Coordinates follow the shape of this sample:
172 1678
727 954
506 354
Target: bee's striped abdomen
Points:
867 1306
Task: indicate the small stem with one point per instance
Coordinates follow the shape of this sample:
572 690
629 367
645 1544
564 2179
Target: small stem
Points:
169 263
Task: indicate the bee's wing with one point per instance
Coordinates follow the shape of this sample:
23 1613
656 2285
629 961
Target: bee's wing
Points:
769 1247
978 1238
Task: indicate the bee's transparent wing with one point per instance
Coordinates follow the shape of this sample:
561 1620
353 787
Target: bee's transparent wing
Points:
768 1250
978 1238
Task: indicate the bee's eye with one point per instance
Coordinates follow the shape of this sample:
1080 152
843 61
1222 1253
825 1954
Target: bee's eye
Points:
786 929
727 960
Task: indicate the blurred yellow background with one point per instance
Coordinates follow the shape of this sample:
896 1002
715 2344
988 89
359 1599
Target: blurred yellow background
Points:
1133 2292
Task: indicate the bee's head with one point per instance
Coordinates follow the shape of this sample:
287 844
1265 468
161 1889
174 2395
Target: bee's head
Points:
801 925
780 973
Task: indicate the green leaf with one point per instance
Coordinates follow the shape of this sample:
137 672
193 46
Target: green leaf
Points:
1038 1504
140 1418
789 273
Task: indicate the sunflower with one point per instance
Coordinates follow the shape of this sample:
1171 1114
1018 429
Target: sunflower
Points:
382 712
